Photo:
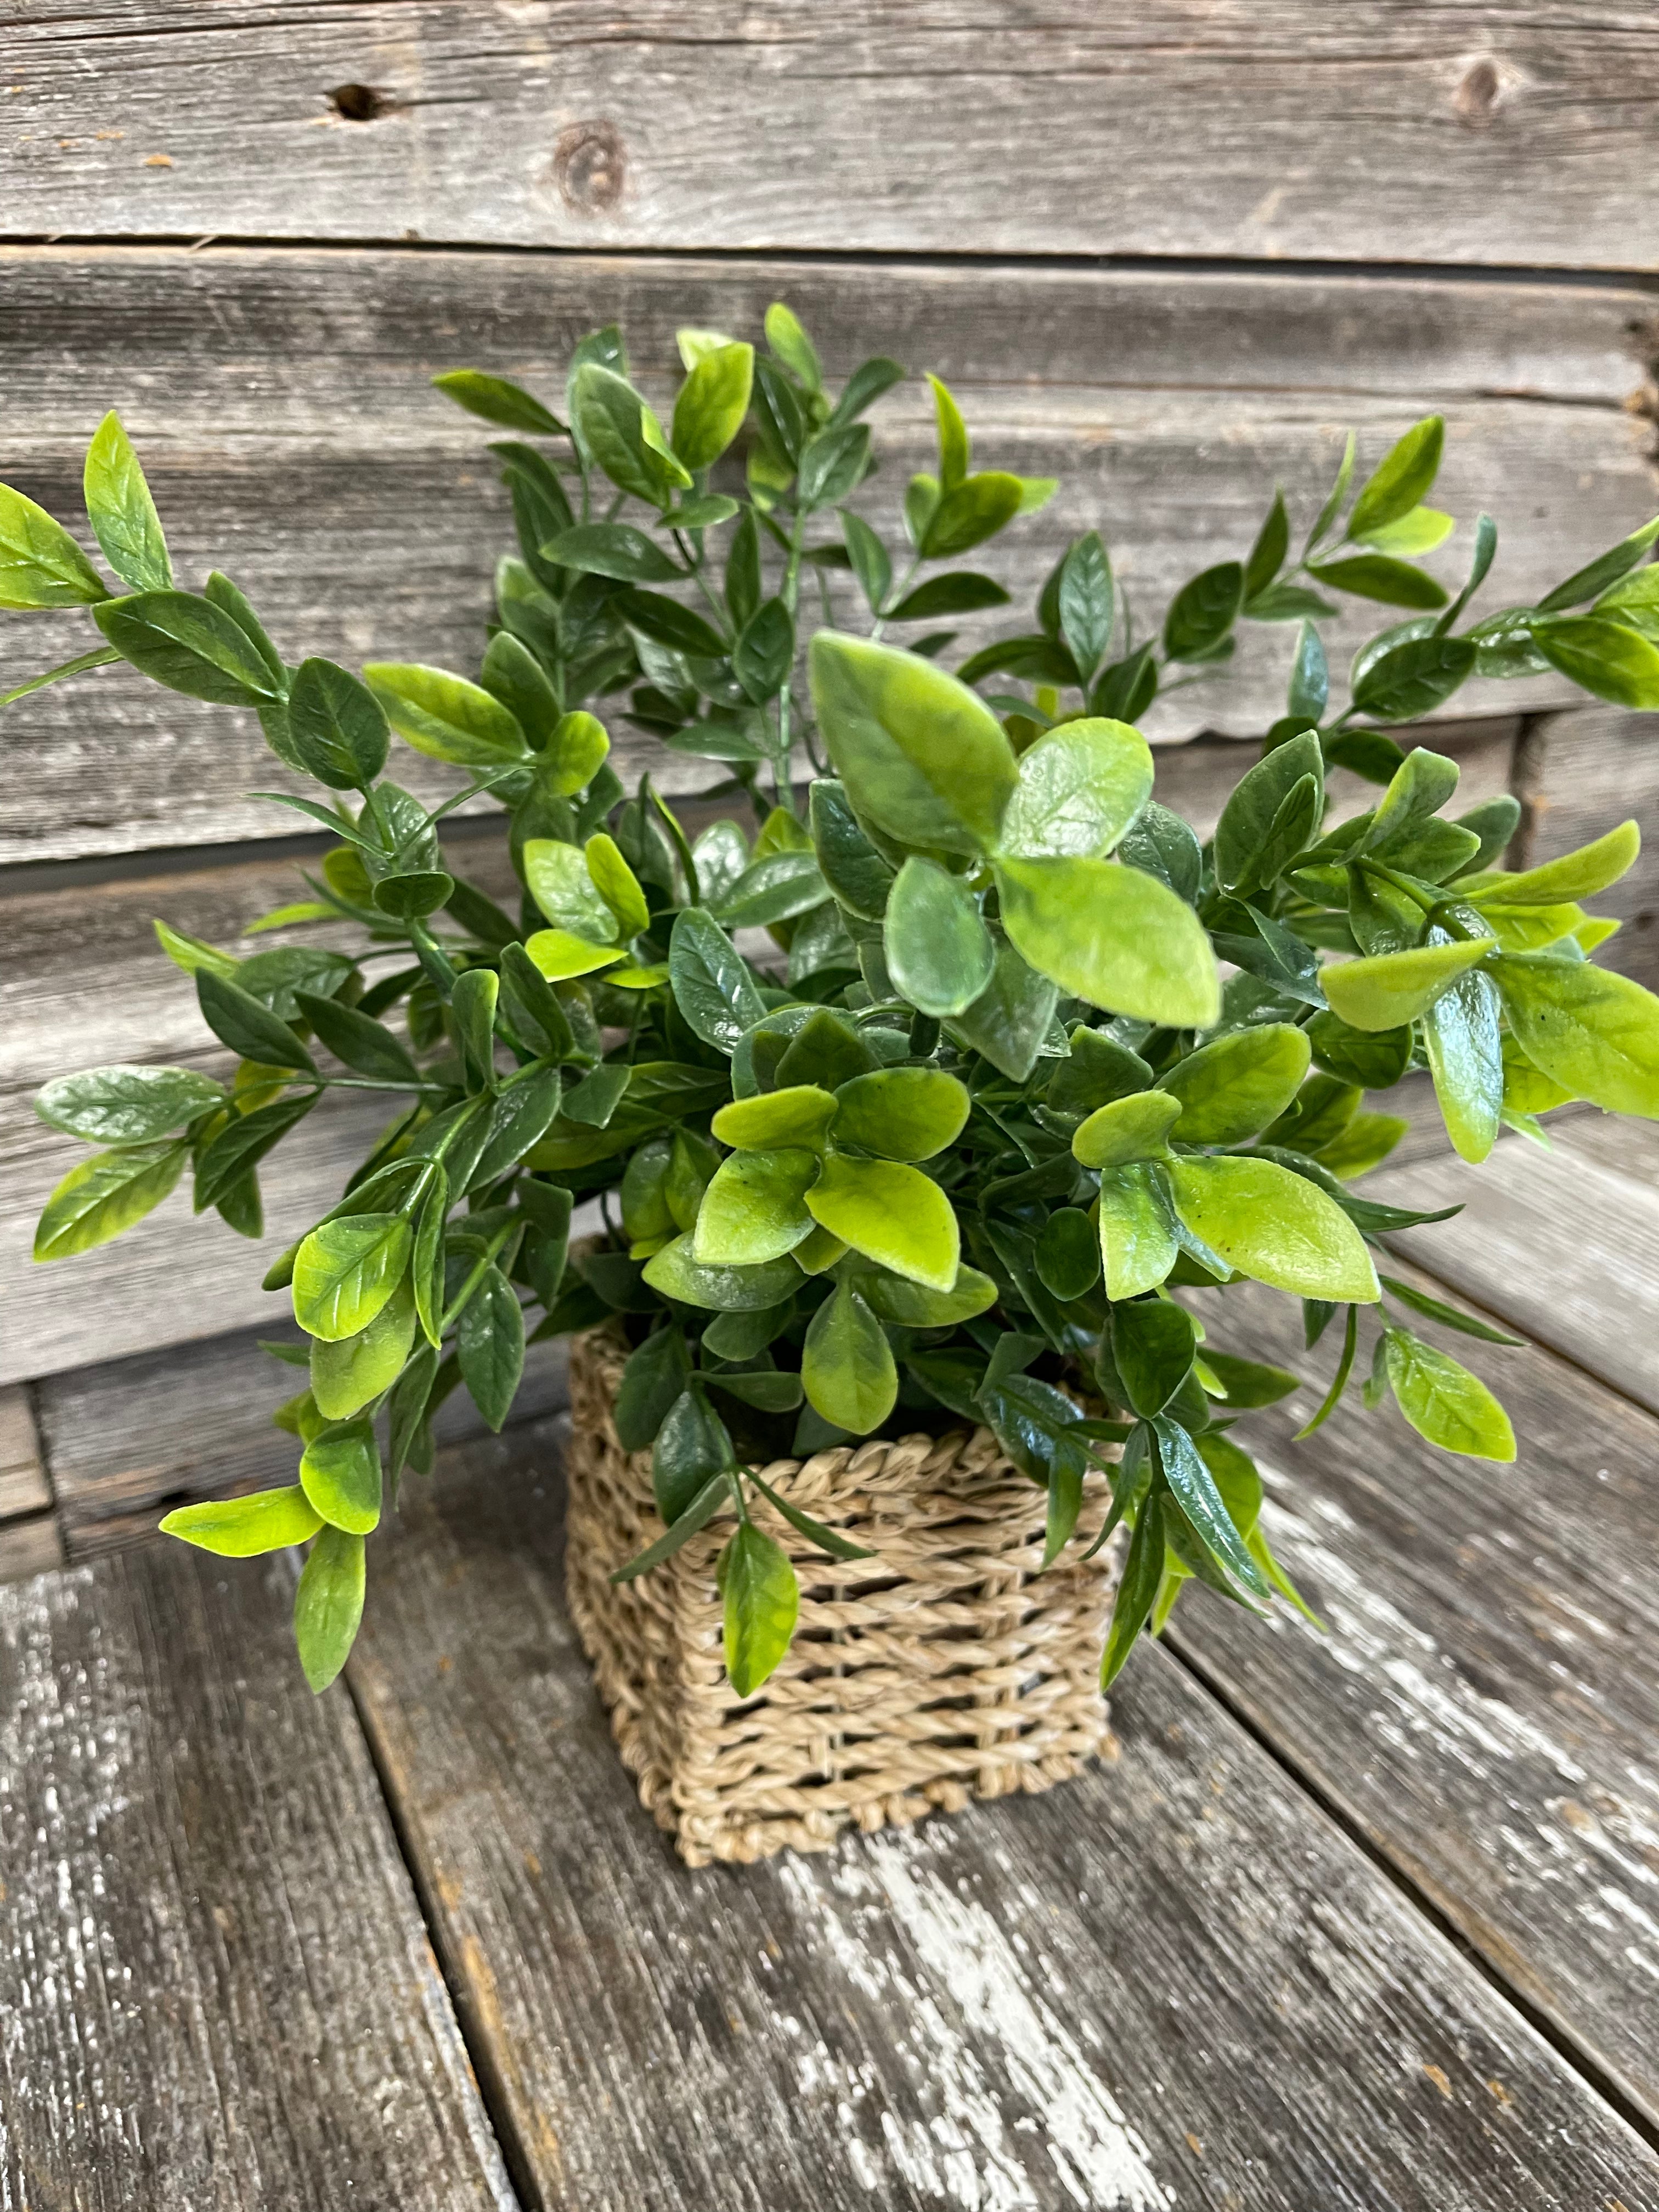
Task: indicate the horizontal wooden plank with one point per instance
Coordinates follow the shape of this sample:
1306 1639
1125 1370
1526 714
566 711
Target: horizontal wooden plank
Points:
281 402
128 1439
1564 1245
29 1547
1481 1703
1388 131
1071 1999
219 1993
1592 767
23 1485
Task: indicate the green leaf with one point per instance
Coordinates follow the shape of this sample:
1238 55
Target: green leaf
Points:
1084 602
1098 1069
872 563
1138 1242
1607 568
340 1473
692 1447
126 1105
1203 612
1232 1089
1450 1316
1245 832
328 1605
833 465
673 1274
100 659
573 754
714 1493
1111 935
712 986
1595 1033
656 1374
790 342
472 1009
761 1600
938 952
846 1364
348 1374
912 1305
923 756
188 645
241 1143
107 1194
613 549
1143 1570
892 1214
620 433
957 593
618 885
1387 989
243 1527
1402 479
1195 1491
902 1113
345 1271
1268 554
1578 875
1068 1254
445 716
970 512
1153 1346
1605 657
559 955
562 886
1078 790
1248 1382
1444 1402
712 403
801 1114
40 564
1378 576
490 1343
1460 1031
336 727
1136 1127
1414 678
755 1209
1011 1019
1275 1226
765 652
495 399
122 512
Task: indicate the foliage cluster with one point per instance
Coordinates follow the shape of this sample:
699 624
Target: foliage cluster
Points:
913 1105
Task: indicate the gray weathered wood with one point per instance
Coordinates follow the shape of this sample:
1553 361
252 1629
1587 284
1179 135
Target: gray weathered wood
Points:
29 1547
1450 132
280 403
1171 1981
1593 767
218 1992
23 1485
1564 1245
1483 1703
129 1439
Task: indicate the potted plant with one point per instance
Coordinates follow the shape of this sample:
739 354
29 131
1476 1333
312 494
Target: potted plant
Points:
915 1113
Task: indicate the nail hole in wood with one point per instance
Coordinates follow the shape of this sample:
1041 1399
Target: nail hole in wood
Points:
357 103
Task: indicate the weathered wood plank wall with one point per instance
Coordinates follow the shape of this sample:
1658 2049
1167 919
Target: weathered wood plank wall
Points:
1168 254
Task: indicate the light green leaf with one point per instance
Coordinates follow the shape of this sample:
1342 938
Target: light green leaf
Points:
1595 1033
911 1305
573 754
40 564
673 1274
345 1271
122 512
1136 1127
126 1105
1388 990
790 342
348 1373
1275 1226
902 1113
618 885
1444 1402
892 1214
923 756
846 1364
107 1194
761 1600
1400 480
1078 789
1232 1089
1414 534
799 1114
340 1473
243 1527
712 403
445 716
328 1605
940 953
1138 1242
1111 935
755 1209
559 956
1578 875
1460 1031
1607 658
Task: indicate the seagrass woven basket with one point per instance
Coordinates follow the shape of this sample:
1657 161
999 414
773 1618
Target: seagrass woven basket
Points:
945 1668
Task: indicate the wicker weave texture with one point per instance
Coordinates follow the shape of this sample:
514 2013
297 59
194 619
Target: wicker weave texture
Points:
945 1668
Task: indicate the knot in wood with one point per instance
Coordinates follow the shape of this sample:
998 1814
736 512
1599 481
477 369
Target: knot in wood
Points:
590 166
1479 94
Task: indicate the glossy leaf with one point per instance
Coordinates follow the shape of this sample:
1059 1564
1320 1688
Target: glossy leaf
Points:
126 1105
901 1113
1112 936
712 403
107 1194
846 1364
188 645
243 1528
711 983
1078 790
345 1271
1444 1402
328 1605
1387 989
445 716
892 1214
490 1343
340 1473
1275 1226
1138 1241
1595 1033
1134 1128
122 512
1232 1089
761 1600
938 952
40 564
755 1208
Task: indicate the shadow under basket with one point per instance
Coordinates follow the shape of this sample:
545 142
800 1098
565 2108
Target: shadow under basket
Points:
945 1667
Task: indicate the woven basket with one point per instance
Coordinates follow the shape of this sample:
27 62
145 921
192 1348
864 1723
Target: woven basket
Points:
945 1667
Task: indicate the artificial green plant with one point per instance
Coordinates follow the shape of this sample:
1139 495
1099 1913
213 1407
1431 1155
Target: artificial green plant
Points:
917 1102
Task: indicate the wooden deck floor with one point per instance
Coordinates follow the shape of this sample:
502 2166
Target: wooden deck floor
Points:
1362 1920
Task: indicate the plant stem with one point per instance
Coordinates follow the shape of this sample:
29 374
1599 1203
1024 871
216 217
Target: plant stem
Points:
782 782
904 582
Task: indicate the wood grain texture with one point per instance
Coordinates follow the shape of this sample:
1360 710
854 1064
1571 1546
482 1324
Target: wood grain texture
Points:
1564 1245
23 1485
280 403
1482 1705
1075 1999
128 1439
218 1994
1388 131
1594 767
